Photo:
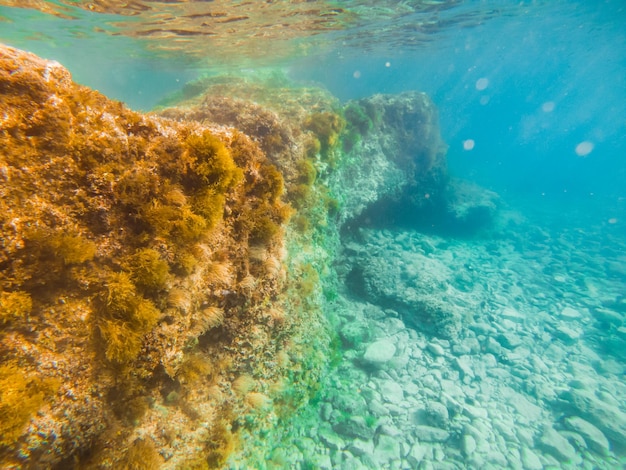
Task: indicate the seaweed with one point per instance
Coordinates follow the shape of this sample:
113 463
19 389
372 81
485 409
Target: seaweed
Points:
20 397
148 270
141 455
326 126
212 162
14 305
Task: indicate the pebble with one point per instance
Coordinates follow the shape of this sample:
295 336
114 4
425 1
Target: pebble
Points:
360 447
570 313
435 349
379 352
391 392
330 439
387 450
437 414
594 438
568 333
530 460
558 446
468 445
431 434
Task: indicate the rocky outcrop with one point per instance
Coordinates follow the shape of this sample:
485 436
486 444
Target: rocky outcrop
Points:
163 276
137 257
393 148
403 277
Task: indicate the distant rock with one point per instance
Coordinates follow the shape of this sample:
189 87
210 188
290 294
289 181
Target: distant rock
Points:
469 208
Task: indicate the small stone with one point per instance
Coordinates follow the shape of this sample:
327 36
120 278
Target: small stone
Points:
510 340
474 412
355 426
431 434
391 392
568 334
607 316
330 439
435 349
493 347
463 365
321 461
594 438
387 450
512 314
378 409
360 447
558 446
437 414
325 411
468 445
379 352
461 349
530 460
416 455
570 313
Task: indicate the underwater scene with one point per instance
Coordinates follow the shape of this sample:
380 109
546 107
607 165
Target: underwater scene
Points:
312 234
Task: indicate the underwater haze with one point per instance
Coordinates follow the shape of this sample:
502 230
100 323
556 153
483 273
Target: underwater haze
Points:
475 310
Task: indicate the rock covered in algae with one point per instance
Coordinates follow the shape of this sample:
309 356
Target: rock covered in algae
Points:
144 284
138 258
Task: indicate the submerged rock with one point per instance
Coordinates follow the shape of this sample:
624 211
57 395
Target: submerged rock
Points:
138 257
379 352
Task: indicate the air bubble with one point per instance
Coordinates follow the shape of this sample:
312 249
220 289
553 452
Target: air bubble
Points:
584 148
468 144
482 84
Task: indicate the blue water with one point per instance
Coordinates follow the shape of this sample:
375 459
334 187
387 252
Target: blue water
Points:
531 99
568 56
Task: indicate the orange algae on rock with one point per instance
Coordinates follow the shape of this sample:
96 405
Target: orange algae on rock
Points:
124 260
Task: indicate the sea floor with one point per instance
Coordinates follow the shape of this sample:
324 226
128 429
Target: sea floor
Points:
532 378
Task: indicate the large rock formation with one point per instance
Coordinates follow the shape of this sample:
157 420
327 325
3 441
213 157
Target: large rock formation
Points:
163 277
138 256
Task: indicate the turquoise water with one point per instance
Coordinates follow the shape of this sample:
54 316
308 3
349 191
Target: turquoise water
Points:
531 99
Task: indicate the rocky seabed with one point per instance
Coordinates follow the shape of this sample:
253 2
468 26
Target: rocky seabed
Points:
534 378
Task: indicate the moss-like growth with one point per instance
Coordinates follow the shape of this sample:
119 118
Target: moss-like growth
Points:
141 455
212 161
126 318
137 186
221 444
326 126
195 367
122 342
148 270
121 295
189 227
65 248
302 224
312 147
209 203
264 230
307 173
271 185
14 305
73 249
299 195
357 118
20 398
185 263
